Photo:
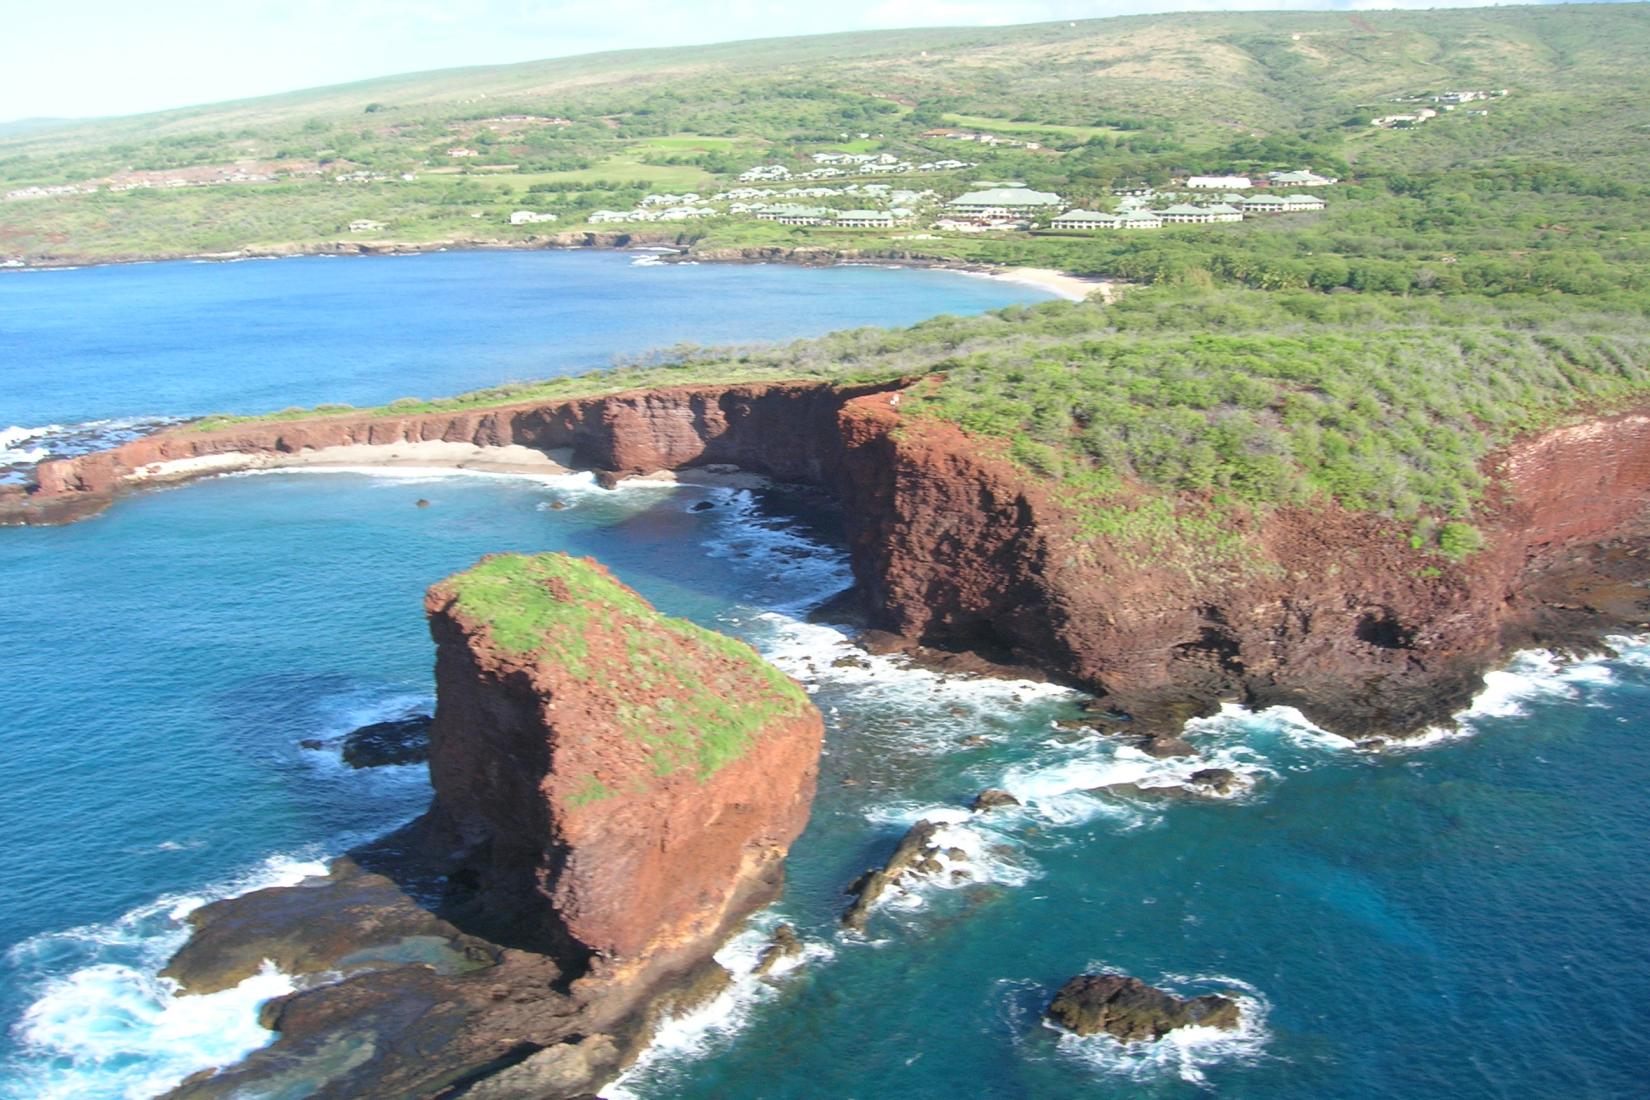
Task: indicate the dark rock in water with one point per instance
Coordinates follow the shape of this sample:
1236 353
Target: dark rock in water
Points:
915 854
784 944
401 741
850 661
312 743
991 798
558 505
421 503
1168 746
703 506
609 479
1221 781
1130 1010
973 741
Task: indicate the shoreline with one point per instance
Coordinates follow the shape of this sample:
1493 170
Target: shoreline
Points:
1065 285
429 456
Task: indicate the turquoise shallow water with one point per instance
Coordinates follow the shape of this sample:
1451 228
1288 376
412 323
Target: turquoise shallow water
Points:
1465 919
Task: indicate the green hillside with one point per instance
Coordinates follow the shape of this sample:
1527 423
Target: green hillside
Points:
1141 98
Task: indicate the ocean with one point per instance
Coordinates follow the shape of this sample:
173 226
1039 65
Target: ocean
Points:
1461 919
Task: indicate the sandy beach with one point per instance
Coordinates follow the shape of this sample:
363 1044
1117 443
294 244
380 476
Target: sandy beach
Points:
433 455
1074 288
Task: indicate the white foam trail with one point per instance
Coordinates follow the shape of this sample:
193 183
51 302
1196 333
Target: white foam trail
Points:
712 1026
109 1027
972 851
23 446
1528 677
130 1037
1185 1052
20 446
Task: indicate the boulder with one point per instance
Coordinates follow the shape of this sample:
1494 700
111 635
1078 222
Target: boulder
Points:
1132 1011
784 944
400 741
991 798
1218 781
915 855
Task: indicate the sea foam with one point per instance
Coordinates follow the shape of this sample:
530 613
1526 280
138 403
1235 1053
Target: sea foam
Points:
102 1025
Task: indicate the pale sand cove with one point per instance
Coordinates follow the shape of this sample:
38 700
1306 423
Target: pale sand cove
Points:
429 455
1073 288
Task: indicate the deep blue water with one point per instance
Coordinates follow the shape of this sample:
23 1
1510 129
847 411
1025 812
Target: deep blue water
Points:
1464 919
91 354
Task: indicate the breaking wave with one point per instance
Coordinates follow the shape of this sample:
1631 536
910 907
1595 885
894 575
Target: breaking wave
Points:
22 447
102 1024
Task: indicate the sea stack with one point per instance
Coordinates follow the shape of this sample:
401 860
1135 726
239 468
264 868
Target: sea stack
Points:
615 790
622 785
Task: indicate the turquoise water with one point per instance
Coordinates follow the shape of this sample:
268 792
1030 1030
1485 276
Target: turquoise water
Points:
1465 919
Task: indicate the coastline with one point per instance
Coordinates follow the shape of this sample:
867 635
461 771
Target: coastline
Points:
512 460
1065 285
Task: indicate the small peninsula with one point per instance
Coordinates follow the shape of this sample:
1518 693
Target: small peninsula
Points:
615 792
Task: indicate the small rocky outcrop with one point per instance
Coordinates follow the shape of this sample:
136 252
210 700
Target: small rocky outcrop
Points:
783 944
991 798
1132 1011
917 854
1222 782
615 791
398 741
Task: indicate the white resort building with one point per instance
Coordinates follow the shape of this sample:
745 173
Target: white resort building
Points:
1015 200
1085 220
1219 183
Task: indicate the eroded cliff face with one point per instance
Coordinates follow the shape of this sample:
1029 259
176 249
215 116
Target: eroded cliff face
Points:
1331 613
618 798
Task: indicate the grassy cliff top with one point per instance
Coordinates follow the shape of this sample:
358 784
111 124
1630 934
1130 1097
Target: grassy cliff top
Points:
690 699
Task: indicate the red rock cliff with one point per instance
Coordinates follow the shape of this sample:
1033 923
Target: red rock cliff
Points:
954 545
624 786
787 430
1332 613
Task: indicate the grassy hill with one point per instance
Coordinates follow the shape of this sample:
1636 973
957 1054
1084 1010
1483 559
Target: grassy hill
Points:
1110 99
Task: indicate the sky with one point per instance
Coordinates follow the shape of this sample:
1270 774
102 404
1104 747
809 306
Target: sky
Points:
82 58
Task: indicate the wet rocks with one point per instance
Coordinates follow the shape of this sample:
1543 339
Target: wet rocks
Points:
1223 782
399 741
1132 1011
350 920
991 798
916 854
783 944
1165 746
